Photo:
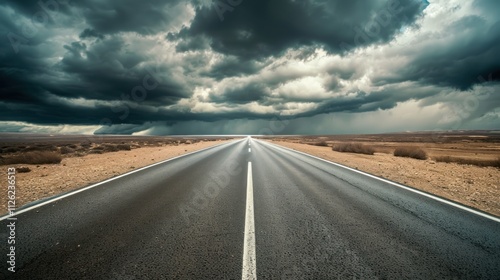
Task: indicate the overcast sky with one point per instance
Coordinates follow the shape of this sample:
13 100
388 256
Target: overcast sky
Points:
249 66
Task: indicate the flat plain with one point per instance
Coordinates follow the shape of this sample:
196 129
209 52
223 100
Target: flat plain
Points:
463 166
48 165
460 166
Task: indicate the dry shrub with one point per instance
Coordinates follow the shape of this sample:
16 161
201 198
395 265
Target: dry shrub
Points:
354 148
411 152
45 157
320 143
476 162
66 150
96 151
11 150
32 149
86 145
40 148
109 148
123 147
23 169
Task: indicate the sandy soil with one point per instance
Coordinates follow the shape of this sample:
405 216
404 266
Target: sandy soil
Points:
75 172
478 187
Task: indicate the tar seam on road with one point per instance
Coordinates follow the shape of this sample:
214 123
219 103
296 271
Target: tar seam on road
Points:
437 198
59 197
249 269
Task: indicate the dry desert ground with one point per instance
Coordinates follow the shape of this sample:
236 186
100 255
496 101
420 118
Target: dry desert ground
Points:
460 166
70 162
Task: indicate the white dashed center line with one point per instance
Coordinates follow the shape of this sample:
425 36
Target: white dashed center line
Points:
249 270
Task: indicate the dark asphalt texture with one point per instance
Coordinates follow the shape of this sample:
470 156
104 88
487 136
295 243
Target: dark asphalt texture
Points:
185 219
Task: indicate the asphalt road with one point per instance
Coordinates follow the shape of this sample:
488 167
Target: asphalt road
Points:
285 215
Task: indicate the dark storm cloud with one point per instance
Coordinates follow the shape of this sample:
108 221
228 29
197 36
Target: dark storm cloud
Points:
191 44
121 129
137 65
91 33
233 66
103 71
41 8
49 111
263 28
243 94
468 59
143 17
364 102
109 69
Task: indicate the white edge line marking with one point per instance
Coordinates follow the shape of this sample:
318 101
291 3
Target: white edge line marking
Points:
51 200
249 268
398 185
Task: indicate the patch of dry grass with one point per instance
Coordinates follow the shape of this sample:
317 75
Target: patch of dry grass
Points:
23 169
9 150
67 150
123 147
320 143
354 148
45 157
410 152
476 162
40 148
86 145
108 148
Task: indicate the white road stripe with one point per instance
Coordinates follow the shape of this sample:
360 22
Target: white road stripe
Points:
442 200
59 197
249 150
249 270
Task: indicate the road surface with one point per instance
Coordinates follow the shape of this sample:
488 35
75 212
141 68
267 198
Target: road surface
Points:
245 210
